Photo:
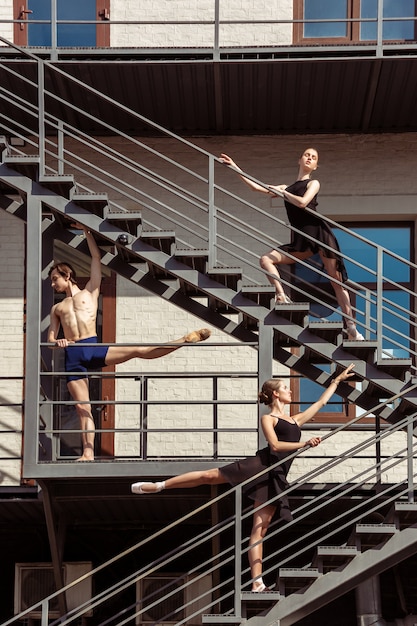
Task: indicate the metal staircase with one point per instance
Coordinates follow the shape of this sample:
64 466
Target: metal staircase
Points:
188 276
152 260
338 569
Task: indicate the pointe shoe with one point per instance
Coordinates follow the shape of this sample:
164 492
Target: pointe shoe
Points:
282 298
353 334
260 588
197 335
137 488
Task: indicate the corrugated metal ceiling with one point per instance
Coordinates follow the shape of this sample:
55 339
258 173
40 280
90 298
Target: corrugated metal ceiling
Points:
237 97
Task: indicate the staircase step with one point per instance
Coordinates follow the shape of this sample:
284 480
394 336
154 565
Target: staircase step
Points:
395 367
291 580
295 312
406 513
95 203
329 331
263 596
61 185
263 295
128 221
331 557
208 618
371 535
163 240
27 165
365 350
228 276
194 258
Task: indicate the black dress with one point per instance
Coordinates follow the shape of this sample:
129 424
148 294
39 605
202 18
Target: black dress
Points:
313 226
274 482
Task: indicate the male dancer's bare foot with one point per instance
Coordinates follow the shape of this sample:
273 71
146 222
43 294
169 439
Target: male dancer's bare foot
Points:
197 335
85 457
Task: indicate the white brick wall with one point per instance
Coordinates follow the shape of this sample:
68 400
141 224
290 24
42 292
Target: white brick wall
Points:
11 346
167 35
6 13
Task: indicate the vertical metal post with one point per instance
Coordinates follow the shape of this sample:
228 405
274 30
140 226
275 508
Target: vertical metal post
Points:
410 457
378 477
238 551
380 24
265 359
212 226
379 301
33 317
216 48
41 117
60 148
54 31
215 382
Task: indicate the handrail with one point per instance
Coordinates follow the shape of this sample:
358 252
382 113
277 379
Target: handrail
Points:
209 34
387 495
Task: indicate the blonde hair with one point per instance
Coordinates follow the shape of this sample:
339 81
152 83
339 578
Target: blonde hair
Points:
265 396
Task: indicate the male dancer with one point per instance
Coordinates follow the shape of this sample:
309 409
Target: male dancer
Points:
76 314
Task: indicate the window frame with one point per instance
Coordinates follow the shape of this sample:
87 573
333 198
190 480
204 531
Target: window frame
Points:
20 31
353 27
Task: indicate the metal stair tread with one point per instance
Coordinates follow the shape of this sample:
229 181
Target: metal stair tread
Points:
209 618
256 596
298 573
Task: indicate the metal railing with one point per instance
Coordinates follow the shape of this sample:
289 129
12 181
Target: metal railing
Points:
204 213
199 210
58 156
222 572
215 33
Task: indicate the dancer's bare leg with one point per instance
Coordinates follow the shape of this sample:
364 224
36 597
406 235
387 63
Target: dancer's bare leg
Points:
79 392
261 522
182 481
342 297
120 354
269 263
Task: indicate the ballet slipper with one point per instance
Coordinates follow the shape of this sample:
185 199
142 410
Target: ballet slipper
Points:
352 332
137 488
197 335
282 298
261 588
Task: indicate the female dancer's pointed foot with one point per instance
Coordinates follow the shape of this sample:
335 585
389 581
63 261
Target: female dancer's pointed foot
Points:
197 335
282 298
353 333
260 588
144 488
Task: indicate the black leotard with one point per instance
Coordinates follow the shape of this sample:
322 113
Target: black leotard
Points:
313 226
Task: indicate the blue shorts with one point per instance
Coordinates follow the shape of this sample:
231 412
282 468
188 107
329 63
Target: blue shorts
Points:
80 359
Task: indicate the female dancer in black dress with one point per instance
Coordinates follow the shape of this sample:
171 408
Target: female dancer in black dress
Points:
298 196
283 436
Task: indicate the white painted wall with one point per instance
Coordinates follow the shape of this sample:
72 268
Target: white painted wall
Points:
12 251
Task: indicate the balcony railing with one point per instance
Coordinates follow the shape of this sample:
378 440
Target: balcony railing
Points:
217 32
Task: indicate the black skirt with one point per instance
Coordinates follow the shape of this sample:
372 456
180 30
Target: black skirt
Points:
267 486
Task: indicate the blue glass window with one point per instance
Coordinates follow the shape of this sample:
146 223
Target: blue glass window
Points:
68 35
401 29
391 30
325 9
395 239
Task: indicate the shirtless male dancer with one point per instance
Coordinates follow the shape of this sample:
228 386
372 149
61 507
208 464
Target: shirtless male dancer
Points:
77 315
